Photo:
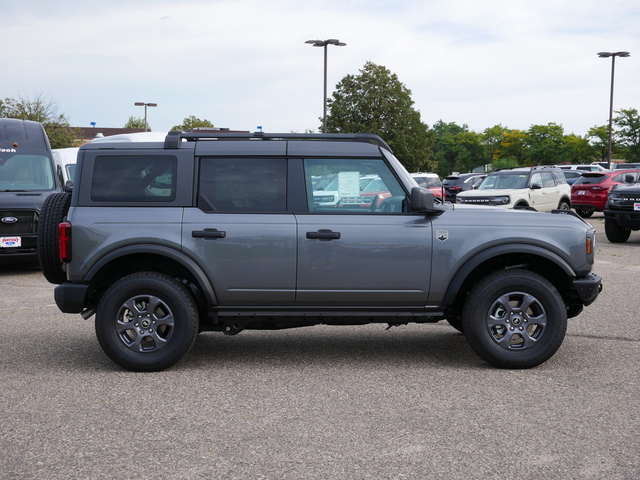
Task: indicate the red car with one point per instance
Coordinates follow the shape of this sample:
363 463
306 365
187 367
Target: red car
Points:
589 192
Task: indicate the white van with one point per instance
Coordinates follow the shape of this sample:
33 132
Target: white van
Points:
133 137
65 162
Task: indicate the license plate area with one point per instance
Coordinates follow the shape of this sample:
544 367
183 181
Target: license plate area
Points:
10 242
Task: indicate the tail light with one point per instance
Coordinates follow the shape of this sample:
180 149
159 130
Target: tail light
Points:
64 242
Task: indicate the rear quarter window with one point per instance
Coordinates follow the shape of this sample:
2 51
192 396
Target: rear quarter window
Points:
135 178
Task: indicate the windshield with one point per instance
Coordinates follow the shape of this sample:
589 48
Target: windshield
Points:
504 180
26 171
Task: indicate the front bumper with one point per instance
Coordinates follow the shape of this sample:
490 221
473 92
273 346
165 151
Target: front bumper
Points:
624 218
588 288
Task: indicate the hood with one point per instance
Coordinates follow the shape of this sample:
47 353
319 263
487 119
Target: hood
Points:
489 192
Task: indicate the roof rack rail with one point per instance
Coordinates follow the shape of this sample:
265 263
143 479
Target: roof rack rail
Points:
531 167
173 139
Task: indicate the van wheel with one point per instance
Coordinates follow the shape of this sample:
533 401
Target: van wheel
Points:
147 321
54 211
514 319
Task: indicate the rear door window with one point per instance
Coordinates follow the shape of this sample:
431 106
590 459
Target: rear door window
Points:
236 185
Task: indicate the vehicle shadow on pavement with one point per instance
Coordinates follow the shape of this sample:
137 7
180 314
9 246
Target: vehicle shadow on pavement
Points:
366 345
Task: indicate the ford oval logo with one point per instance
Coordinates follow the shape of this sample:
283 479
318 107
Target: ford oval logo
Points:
9 219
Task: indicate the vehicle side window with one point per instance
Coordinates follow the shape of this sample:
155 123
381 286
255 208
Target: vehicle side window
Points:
547 180
135 178
242 185
352 186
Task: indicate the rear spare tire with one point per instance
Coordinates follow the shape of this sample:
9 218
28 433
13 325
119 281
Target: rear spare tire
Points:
54 211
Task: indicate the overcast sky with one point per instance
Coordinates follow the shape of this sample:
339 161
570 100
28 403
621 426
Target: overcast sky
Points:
244 63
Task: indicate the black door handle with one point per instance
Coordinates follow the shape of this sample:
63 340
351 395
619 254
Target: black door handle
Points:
208 233
324 235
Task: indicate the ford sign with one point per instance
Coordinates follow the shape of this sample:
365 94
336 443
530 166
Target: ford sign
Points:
9 219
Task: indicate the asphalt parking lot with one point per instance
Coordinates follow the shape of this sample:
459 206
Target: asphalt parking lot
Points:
411 402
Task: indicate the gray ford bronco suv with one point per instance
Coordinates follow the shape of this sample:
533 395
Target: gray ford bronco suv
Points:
222 232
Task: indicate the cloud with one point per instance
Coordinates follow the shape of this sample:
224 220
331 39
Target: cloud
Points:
244 63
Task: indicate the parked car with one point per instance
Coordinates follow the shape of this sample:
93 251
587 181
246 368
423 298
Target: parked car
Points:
625 166
589 192
232 239
373 191
543 187
461 182
572 175
622 211
586 168
430 181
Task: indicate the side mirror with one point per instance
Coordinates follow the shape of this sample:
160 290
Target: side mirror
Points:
536 186
422 199
68 186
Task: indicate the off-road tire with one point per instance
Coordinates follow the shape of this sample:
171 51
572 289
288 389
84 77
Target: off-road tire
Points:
514 319
615 233
146 321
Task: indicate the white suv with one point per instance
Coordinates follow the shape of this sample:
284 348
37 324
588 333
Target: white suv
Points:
542 188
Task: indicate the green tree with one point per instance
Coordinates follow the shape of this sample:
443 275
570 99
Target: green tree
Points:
598 137
456 149
546 145
579 150
492 139
190 123
44 110
628 135
512 149
375 101
136 122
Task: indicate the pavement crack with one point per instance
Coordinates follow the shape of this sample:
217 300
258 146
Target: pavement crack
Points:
604 337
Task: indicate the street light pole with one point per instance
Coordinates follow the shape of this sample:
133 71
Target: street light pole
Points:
613 56
325 43
140 104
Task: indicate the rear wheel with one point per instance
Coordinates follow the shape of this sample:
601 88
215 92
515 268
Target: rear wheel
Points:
564 206
146 321
54 211
514 319
615 233
584 213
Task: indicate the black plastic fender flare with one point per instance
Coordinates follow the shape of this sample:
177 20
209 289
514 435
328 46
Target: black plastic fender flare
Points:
203 281
485 255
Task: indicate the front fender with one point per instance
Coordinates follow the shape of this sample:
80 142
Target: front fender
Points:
479 258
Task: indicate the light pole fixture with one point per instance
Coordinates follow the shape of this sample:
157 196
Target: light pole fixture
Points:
145 105
324 43
613 56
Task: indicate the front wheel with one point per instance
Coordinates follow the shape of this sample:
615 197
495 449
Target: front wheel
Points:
146 321
514 319
615 233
